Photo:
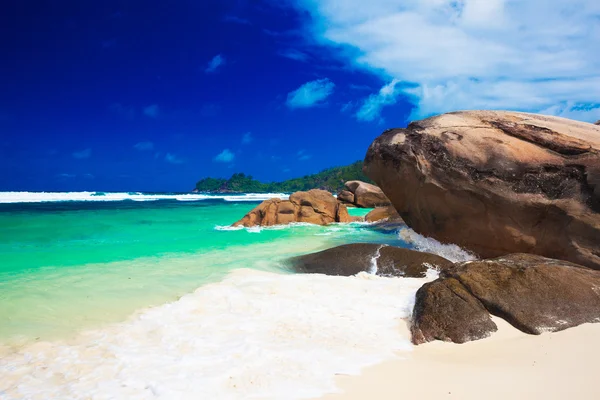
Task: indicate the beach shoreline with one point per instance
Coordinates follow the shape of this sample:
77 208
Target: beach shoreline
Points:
508 365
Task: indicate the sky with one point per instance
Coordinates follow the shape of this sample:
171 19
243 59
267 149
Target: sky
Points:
154 95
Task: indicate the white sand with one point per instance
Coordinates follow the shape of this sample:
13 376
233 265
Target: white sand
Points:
508 365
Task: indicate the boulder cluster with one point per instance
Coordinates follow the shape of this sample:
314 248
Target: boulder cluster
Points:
314 207
521 191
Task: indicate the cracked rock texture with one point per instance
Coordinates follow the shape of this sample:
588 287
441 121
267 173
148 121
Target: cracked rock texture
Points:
496 182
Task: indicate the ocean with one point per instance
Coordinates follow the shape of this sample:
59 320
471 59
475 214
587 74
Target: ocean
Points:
133 295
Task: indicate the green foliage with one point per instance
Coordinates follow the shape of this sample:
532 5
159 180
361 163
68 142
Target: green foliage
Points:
331 179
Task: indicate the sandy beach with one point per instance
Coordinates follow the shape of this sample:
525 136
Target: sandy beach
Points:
508 365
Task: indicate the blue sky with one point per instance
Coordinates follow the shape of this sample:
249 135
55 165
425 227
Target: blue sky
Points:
153 95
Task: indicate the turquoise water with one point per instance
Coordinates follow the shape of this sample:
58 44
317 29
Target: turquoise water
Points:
66 266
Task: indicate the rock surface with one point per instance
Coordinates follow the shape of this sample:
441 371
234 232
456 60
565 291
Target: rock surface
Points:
388 213
346 197
496 182
350 259
362 194
315 207
445 310
533 293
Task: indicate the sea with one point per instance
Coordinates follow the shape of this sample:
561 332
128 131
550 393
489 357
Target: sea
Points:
145 296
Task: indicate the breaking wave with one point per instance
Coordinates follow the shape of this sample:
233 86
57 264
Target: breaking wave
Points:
40 197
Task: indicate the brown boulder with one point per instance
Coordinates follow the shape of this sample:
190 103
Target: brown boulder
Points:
445 310
533 293
314 207
346 197
383 214
350 259
367 195
496 182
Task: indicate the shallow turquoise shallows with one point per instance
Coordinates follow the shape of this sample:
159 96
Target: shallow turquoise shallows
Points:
66 266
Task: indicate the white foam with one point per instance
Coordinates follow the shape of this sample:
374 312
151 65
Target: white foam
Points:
450 252
254 334
40 197
258 229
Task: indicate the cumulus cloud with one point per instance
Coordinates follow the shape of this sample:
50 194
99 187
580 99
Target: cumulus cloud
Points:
226 156
247 138
144 146
310 94
214 64
536 55
372 106
173 159
80 155
152 111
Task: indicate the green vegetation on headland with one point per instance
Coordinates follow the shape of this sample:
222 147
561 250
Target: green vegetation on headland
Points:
331 179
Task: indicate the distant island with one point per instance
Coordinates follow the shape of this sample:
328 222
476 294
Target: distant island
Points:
331 179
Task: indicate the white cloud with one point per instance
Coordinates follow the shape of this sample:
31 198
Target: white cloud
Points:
303 155
372 106
173 159
215 63
87 153
535 55
226 156
152 111
310 94
347 107
294 54
247 138
144 146
66 176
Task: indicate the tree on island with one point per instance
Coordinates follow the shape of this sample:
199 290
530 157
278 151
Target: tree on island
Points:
331 179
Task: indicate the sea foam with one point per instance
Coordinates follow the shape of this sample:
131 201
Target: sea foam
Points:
40 197
254 334
450 252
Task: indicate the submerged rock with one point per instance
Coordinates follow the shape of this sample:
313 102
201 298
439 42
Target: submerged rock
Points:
350 259
533 293
362 194
314 207
496 182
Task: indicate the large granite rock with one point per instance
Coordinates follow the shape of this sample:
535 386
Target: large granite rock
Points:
314 207
533 293
350 259
496 182
362 194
